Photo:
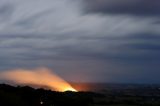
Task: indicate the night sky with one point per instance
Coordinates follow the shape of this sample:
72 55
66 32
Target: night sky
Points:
83 40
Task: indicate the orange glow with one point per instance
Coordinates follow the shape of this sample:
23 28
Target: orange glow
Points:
40 76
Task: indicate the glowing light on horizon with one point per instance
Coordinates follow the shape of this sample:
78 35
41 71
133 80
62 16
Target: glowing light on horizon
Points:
40 76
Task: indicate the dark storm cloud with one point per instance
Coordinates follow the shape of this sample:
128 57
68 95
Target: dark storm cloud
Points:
131 7
151 47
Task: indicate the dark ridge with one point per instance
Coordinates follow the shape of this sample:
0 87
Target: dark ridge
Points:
27 96
111 95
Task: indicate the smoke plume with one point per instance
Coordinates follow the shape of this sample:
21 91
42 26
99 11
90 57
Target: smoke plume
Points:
40 76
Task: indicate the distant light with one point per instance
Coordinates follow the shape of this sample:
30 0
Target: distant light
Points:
41 103
70 89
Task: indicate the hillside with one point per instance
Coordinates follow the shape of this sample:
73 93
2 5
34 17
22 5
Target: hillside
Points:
27 96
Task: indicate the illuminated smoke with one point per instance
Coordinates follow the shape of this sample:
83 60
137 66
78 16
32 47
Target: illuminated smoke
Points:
41 77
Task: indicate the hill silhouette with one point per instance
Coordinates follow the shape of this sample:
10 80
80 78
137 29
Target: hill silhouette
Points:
27 96
113 95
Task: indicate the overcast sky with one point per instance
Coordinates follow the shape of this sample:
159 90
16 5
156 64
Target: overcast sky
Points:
83 40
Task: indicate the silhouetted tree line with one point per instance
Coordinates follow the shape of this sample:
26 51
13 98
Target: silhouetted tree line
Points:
27 96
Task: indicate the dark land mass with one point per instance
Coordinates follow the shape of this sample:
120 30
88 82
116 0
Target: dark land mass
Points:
27 96
107 95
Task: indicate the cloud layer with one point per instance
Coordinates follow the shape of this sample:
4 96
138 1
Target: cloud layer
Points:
99 40
131 7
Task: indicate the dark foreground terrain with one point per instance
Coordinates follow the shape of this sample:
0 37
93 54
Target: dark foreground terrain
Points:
27 96
130 95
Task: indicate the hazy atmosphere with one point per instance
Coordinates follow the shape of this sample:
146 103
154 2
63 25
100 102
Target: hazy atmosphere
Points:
83 40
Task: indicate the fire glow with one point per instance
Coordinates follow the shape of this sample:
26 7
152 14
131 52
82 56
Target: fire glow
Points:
40 76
